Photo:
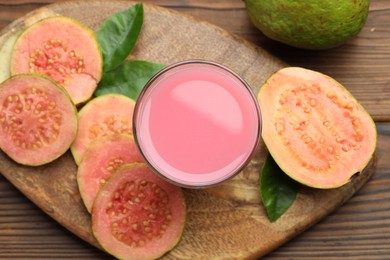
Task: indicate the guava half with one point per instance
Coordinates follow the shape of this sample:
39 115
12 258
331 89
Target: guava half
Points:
63 49
309 24
315 130
38 121
138 215
101 160
103 115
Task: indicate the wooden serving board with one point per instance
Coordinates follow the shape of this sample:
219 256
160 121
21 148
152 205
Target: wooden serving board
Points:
227 221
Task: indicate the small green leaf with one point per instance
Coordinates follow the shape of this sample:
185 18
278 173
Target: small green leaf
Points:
128 79
118 34
278 191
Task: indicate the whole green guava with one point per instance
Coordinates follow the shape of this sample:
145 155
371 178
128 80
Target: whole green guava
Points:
309 24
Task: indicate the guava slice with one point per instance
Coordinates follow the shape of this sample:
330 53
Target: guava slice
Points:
316 131
138 215
103 115
101 160
38 121
63 49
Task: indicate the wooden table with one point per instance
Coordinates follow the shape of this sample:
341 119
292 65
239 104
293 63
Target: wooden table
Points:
358 230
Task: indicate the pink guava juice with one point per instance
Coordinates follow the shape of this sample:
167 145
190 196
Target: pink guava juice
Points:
197 123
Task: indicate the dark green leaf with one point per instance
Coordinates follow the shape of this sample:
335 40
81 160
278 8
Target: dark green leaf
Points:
128 79
118 34
278 191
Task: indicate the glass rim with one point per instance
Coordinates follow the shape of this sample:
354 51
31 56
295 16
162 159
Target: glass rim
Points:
136 113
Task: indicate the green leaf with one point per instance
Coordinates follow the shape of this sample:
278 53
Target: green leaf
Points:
118 34
128 79
278 191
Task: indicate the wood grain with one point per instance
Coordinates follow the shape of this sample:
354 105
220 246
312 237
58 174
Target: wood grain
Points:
228 214
337 236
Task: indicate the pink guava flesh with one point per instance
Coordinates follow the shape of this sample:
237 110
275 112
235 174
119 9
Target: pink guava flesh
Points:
38 121
62 49
138 215
101 160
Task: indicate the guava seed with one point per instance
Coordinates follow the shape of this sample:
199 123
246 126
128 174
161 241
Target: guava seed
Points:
56 61
302 97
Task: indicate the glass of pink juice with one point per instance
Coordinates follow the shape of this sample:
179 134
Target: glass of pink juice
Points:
197 123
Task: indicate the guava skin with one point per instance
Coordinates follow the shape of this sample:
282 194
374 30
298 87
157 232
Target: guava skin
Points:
309 24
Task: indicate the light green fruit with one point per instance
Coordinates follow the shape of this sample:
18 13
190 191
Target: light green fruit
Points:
5 55
309 24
